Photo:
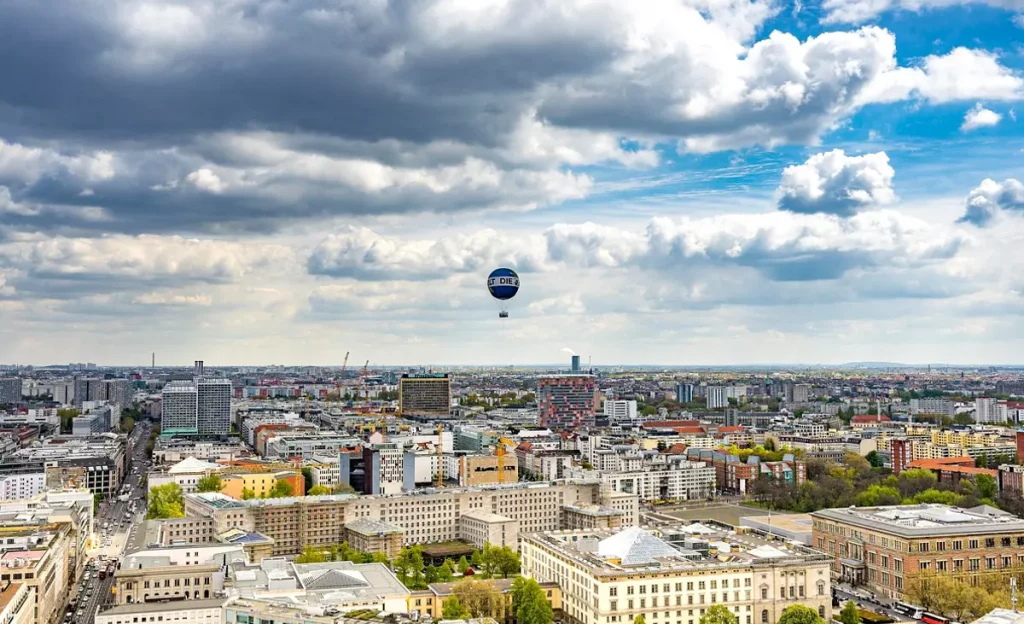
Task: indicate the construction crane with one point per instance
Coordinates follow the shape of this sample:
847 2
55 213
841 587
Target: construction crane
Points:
500 452
366 391
440 456
341 378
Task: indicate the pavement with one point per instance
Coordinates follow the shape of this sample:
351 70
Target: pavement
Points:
865 600
93 593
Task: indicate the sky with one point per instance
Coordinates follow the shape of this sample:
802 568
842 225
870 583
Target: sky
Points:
675 181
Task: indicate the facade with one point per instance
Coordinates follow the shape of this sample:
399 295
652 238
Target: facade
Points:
611 577
17 604
932 406
180 572
476 470
717 397
681 481
371 536
619 411
179 405
684 393
425 395
209 611
10 390
989 410
879 547
213 405
479 527
427 516
567 401
22 486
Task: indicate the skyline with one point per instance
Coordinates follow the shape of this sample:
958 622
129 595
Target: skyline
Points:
683 182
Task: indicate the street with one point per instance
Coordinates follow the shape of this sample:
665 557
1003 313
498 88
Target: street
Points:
864 601
114 525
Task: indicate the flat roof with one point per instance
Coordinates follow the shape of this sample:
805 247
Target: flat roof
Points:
926 520
163 607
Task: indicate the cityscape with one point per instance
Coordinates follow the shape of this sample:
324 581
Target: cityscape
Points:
511 312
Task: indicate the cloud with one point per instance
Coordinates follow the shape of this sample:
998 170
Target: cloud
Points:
782 246
962 74
980 117
834 183
172 299
860 11
206 180
992 198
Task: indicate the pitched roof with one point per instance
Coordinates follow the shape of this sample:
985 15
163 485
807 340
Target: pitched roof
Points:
635 546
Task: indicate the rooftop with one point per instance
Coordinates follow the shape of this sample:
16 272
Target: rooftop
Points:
164 607
928 520
366 526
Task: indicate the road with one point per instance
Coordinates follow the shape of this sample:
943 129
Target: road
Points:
865 601
92 593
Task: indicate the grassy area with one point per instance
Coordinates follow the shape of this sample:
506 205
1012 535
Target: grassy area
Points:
728 514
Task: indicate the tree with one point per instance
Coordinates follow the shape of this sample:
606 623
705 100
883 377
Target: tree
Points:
166 501
127 425
499 560
718 614
247 494
409 567
463 565
209 483
639 620
986 486
874 459
799 614
481 598
431 574
66 417
281 489
529 603
849 614
769 445
307 475
879 495
311 555
453 609
344 488
318 490
446 573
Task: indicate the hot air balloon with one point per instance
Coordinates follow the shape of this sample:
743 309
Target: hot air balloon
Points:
503 284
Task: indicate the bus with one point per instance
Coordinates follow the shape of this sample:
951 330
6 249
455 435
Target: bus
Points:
931 618
909 610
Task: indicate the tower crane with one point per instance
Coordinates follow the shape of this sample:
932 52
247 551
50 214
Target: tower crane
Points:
500 452
341 378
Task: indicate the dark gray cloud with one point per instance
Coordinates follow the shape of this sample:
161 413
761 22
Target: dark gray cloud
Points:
992 198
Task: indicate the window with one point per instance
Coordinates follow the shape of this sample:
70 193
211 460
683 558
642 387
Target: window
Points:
614 591
764 616
990 542
614 605
923 547
821 588
714 584
629 590
764 592
689 586
958 545
821 611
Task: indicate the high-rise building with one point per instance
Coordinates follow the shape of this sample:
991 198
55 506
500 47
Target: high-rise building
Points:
567 401
213 409
684 393
989 410
427 394
619 411
717 397
179 408
902 454
801 393
89 389
575 363
10 389
118 392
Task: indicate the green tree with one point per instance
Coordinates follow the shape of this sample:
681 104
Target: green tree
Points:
247 494
311 555
307 476
874 459
879 495
986 486
127 425
530 604
639 620
482 598
499 561
446 573
463 565
453 609
318 490
166 501
66 417
718 614
209 483
344 488
849 614
379 557
281 489
769 444
409 567
430 573
799 614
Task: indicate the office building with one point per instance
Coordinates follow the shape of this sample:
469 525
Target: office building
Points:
213 405
428 516
10 390
615 576
880 547
989 410
619 411
425 395
932 406
567 401
679 481
176 572
684 393
717 397
17 604
22 486
208 611
179 407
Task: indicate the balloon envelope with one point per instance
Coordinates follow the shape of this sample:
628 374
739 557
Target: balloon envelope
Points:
503 284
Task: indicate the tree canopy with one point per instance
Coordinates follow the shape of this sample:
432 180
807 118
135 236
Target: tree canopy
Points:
718 614
849 614
311 555
481 598
209 483
166 501
799 614
530 605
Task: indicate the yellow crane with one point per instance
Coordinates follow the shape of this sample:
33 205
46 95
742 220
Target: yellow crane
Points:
500 452
440 456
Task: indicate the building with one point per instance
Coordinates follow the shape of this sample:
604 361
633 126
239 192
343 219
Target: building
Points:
1012 388
619 411
902 454
480 527
208 611
879 547
475 470
17 604
22 486
575 363
425 395
429 603
371 536
88 425
989 410
567 401
385 469
213 405
801 393
178 572
681 481
932 406
97 462
684 393
428 516
179 408
185 473
10 390
717 397
615 576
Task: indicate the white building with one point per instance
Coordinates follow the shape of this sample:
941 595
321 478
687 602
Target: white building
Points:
179 407
213 409
325 471
989 410
22 486
185 473
202 611
618 411
932 406
681 481
718 396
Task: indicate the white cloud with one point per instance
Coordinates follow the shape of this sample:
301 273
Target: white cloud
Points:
980 117
173 299
206 180
990 198
860 11
834 183
19 163
962 74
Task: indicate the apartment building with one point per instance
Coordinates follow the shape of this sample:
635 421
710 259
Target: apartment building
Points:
678 481
567 401
425 395
17 604
932 406
879 547
427 516
611 577
39 553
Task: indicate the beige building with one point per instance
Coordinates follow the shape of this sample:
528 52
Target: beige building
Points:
425 395
17 604
189 530
371 536
39 555
581 517
481 527
613 577
185 572
209 611
483 470
427 517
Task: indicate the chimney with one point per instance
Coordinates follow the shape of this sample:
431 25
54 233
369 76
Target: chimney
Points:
199 368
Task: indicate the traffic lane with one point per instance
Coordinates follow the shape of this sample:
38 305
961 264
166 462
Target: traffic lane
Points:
871 604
